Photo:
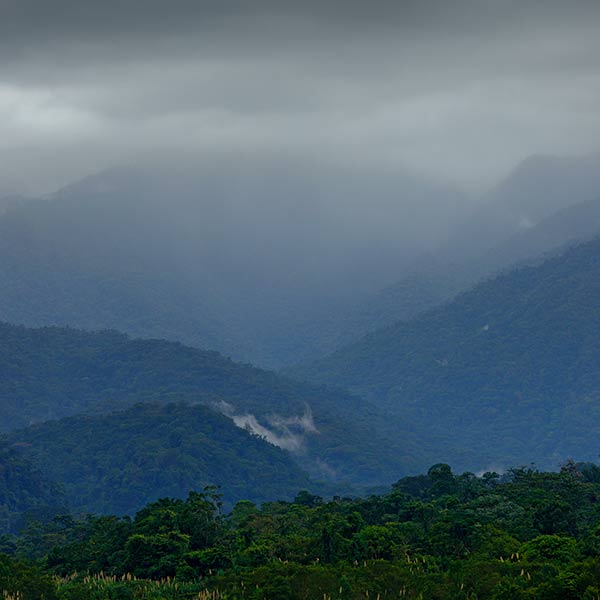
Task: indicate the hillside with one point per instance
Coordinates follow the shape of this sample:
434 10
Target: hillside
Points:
544 204
435 281
25 492
504 373
51 373
537 188
428 284
117 463
580 222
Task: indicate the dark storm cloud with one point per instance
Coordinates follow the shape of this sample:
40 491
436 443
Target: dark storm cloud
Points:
463 89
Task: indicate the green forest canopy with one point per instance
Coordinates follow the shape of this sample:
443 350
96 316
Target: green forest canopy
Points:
526 535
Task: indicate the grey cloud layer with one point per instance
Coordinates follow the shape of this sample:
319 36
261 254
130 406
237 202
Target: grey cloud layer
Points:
463 89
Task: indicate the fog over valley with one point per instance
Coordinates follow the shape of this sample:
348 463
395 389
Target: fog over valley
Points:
281 166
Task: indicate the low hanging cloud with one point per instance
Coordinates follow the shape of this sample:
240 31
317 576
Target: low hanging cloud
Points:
288 432
459 90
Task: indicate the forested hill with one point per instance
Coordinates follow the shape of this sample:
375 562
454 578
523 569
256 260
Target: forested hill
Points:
439 276
507 372
25 492
51 373
117 463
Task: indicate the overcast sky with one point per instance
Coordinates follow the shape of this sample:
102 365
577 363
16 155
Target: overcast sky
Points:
458 89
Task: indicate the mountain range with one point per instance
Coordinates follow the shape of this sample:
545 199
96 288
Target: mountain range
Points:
276 284
506 372
51 373
482 354
545 204
242 262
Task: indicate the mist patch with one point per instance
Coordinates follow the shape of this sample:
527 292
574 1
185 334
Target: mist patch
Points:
288 433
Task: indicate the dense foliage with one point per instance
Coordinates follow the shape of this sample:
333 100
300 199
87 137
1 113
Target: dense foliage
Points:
50 373
24 492
509 368
528 535
117 463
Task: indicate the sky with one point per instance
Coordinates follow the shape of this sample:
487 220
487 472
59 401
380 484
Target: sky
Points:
458 91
